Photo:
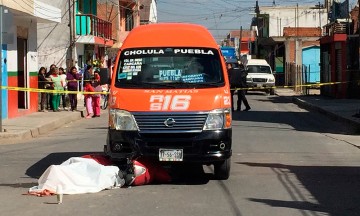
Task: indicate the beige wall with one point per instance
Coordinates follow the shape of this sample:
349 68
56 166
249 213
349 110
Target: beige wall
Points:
26 6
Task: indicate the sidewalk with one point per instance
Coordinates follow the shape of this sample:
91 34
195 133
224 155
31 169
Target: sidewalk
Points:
35 124
341 110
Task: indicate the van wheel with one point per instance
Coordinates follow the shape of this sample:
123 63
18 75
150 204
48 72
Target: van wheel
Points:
272 92
222 169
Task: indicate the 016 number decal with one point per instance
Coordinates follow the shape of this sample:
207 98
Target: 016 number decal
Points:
169 102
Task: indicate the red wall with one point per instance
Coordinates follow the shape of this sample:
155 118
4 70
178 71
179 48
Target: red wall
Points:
13 110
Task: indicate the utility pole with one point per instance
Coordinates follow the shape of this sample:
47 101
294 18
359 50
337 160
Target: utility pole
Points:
240 40
74 57
71 36
257 11
320 15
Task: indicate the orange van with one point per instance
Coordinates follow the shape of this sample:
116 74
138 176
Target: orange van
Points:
170 98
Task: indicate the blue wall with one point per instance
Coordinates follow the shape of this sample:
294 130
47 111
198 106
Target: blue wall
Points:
228 52
4 76
311 59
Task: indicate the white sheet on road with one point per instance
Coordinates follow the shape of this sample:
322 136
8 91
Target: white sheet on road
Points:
79 175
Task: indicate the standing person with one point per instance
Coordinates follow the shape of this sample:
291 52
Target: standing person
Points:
49 95
96 97
42 84
237 77
87 76
72 78
49 73
241 93
88 73
232 85
88 99
64 85
56 83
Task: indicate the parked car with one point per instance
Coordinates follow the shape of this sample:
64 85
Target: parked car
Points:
260 75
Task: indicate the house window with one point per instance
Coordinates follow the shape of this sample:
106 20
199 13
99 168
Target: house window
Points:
129 24
80 6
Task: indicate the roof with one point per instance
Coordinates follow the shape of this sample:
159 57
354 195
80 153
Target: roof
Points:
244 33
170 34
257 62
302 31
311 47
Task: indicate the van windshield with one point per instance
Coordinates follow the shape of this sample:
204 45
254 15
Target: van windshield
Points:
259 69
169 68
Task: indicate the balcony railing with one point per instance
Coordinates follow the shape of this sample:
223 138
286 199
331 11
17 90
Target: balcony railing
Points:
336 28
89 24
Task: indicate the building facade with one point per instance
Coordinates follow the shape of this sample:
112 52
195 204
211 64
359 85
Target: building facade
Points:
19 53
282 34
247 38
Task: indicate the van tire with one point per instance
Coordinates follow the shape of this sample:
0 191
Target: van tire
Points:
222 169
272 92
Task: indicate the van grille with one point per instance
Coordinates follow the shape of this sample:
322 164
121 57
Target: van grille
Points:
177 122
259 80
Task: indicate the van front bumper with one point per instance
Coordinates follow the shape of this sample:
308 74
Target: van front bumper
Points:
205 147
260 85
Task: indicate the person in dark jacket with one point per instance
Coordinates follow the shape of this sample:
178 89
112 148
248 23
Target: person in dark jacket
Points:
42 84
49 95
237 77
241 93
88 73
72 78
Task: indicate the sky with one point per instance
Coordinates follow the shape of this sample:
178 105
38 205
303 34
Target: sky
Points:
220 16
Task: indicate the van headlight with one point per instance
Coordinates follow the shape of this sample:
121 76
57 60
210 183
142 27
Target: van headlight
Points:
271 80
218 119
122 120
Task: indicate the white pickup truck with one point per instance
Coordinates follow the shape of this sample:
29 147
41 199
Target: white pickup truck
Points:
260 75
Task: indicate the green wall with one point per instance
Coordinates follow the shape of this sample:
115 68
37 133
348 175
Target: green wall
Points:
89 7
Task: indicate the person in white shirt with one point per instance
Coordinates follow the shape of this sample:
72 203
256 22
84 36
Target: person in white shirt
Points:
62 75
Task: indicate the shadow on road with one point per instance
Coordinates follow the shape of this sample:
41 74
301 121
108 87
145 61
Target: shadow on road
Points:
300 121
98 128
37 169
19 185
277 100
187 174
335 190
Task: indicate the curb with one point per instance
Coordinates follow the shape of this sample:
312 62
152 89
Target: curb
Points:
308 106
37 130
56 123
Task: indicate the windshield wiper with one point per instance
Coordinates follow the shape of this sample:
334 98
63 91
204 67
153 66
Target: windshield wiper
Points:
216 84
158 84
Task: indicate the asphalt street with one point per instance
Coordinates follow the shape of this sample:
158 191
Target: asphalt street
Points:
286 161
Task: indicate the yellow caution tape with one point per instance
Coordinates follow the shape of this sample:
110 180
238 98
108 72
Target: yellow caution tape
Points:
105 92
50 81
291 86
50 90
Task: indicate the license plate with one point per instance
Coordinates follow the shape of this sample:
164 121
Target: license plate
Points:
171 155
258 85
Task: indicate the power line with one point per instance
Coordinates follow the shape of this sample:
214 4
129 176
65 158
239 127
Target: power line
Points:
55 26
31 12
